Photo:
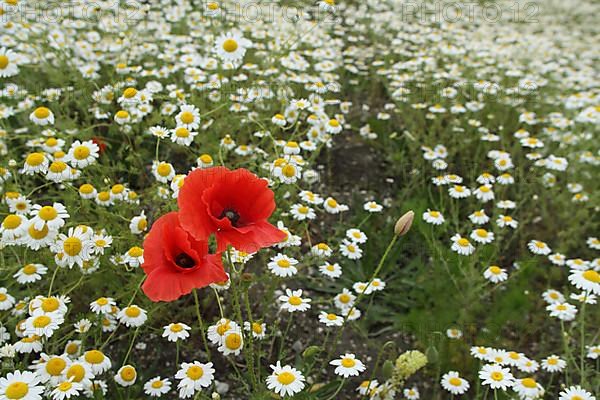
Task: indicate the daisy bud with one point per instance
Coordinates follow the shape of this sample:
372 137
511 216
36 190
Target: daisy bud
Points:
404 222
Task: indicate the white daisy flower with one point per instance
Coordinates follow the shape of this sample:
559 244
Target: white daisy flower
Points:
461 245
259 330
330 319
495 274
331 270
553 364
97 361
454 384
562 311
539 247
576 393
285 380
42 116
20 385
433 217
82 154
231 47
232 343
132 316
30 273
157 386
282 265
482 236
348 365
126 376
176 331
496 377
292 301
193 377
52 216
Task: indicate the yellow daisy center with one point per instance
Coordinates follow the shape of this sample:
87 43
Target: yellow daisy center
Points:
34 159
3 61
494 269
295 300
222 328
16 390
76 372
136 251
41 112
257 328
285 378
481 233
86 188
348 362
187 117
455 381
182 132
529 383
55 366
463 242
72 348
497 376
591 275
132 312
122 114
29 269
195 372
230 45
163 169
157 384
72 246
65 386
11 222
50 304
41 322
288 171
129 93
128 373
81 152
94 356
233 341
206 159
48 213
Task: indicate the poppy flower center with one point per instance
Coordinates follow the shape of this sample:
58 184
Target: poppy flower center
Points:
184 261
231 215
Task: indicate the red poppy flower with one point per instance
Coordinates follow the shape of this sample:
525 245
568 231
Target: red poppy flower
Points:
234 205
176 263
100 143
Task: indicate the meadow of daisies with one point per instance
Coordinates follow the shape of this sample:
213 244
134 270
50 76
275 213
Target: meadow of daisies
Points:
382 199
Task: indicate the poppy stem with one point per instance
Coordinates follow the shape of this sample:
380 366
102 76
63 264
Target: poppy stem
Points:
201 324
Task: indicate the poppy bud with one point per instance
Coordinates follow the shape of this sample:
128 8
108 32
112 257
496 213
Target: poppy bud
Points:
247 277
388 369
404 223
311 351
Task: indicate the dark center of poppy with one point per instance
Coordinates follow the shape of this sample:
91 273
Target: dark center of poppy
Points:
184 261
231 215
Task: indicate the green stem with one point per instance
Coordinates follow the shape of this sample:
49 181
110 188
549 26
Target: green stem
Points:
130 346
201 324
333 396
52 280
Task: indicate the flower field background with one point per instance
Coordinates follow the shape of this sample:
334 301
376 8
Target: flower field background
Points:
354 200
